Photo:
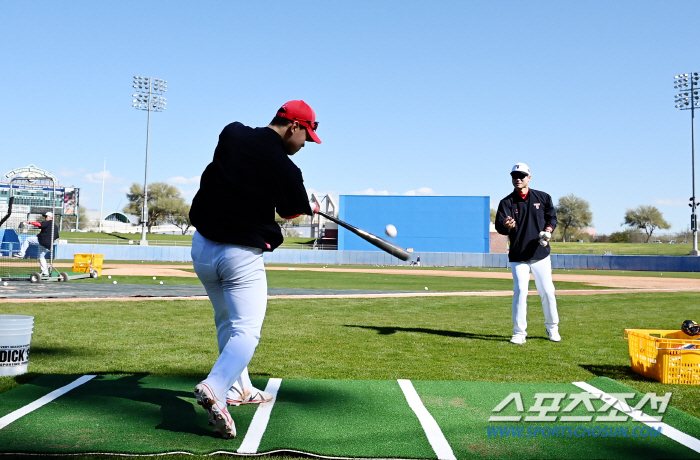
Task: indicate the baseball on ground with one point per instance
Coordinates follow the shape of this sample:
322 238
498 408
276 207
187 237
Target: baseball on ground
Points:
390 230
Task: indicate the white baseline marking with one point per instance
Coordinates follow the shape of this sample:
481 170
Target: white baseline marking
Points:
667 430
12 416
432 430
258 425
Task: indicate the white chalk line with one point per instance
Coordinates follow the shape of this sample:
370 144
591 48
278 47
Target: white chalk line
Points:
432 431
12 416
258 425
666 429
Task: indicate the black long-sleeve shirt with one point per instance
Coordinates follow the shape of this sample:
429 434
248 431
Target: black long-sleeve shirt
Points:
249 178
532 215
45 237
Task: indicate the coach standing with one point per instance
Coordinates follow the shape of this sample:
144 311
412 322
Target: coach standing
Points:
528 217
249 178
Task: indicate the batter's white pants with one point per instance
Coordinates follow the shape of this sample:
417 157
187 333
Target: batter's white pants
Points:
33 240
542 272
235 281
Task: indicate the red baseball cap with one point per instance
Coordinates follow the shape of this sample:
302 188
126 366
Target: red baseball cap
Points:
302 113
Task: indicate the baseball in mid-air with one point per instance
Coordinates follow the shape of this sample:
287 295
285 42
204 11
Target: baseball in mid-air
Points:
390 230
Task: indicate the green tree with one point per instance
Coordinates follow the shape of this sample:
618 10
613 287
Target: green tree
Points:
646 218
493 215
573 213
181 218
67 222
164 200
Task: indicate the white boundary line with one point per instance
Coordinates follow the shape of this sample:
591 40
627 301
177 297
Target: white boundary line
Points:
258 425
667 430
432 430
12 416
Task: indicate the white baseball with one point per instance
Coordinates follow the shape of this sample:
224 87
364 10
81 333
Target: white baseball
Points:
161 282
390 230
114 282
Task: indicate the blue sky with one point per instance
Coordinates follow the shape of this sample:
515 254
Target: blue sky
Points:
412 97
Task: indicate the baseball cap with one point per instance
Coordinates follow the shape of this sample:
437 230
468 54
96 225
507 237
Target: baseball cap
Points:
521 167
301 112
48 214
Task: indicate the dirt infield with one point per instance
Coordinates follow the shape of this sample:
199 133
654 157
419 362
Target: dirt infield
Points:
623 282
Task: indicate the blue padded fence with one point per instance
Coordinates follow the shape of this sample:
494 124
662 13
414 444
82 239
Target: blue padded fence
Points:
444 259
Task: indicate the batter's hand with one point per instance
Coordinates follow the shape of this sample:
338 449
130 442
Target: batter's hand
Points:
509 222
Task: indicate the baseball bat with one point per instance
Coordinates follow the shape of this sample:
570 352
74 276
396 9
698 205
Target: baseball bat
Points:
382 244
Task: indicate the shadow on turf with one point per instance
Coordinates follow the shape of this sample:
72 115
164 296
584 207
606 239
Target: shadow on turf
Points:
176 413
389 330
614 372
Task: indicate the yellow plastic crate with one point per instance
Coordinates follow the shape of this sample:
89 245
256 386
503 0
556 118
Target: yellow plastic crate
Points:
668 356
83 263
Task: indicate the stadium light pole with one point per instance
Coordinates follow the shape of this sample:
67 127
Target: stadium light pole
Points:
148 96
687 99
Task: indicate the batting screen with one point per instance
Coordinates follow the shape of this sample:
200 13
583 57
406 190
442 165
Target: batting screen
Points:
27 231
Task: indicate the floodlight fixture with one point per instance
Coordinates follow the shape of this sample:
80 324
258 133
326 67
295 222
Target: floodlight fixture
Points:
689 100
148 97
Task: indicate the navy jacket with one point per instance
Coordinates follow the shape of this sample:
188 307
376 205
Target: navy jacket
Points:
532 216
250 176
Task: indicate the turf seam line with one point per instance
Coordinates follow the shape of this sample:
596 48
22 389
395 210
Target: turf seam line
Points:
258 425
666 429
432 430
21 412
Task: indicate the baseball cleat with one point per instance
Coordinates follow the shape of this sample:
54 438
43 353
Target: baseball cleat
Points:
554 336
236 397
217 411
518 339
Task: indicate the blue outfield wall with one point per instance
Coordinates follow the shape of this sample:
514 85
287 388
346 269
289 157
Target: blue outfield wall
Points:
424 223
445 259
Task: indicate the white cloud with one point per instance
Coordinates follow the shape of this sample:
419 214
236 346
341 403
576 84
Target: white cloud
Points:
70 172
96 178
670 202
423 191
371 191
180 180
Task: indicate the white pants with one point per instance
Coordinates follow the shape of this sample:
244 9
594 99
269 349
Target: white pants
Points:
34 241
235 281
542 272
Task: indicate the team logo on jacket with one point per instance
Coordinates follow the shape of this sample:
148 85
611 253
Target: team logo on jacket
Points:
537 205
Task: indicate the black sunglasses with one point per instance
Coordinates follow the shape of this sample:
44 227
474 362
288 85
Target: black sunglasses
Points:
313 125
518 175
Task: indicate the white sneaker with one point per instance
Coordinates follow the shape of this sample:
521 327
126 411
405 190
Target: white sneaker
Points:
518 339
218 413
235 396
554 336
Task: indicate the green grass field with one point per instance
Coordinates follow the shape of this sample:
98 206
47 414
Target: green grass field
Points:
680 249
444 338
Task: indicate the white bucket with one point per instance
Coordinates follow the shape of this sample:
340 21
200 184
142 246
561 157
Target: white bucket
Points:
15 337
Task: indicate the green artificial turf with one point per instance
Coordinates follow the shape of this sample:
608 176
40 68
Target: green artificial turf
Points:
443 338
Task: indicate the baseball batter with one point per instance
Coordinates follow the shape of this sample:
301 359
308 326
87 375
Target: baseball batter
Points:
528 217
249 178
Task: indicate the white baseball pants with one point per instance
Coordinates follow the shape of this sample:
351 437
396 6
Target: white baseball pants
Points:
542 272
235 281
34 241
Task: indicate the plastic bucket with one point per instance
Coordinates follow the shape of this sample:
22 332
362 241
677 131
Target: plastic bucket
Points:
15 337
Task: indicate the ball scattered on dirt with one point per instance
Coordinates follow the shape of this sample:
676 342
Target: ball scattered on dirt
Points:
4 283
